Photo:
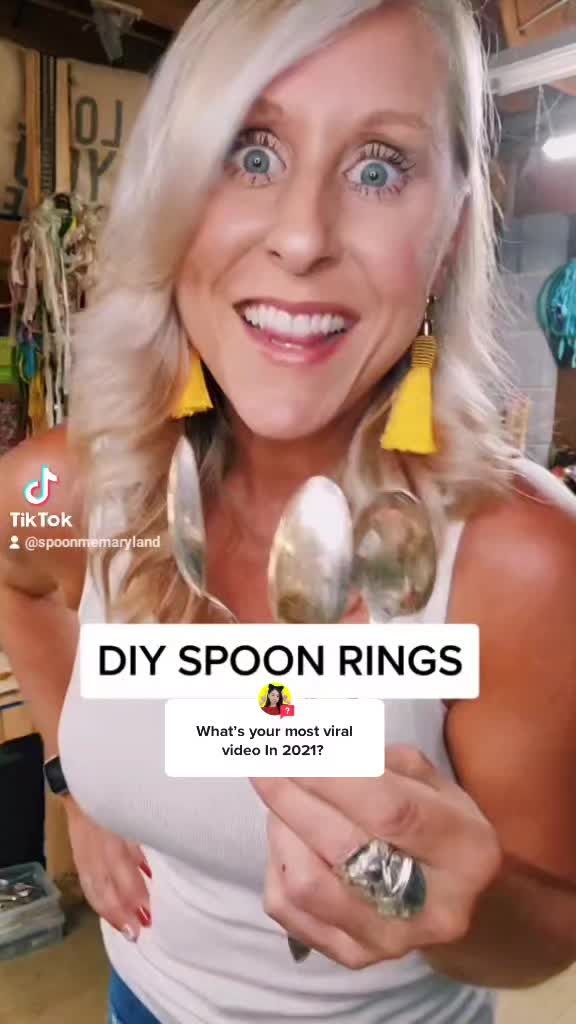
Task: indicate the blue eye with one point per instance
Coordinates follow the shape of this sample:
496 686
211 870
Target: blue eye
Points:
256 161
382 170
376 176
254 157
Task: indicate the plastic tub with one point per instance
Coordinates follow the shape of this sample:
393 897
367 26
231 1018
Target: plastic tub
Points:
32 925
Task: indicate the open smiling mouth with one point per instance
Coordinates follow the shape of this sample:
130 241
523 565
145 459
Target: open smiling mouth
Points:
305 333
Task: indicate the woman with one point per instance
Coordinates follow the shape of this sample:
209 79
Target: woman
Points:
303 179
274 701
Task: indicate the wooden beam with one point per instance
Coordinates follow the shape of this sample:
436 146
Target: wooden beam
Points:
8 229
169 14
33 140
63 162
61 34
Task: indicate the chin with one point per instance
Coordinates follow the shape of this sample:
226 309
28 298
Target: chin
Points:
281 421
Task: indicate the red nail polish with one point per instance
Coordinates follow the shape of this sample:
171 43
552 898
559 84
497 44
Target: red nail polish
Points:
145 867
145 917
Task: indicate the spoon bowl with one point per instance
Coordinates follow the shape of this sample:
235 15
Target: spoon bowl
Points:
187 529
186 518
395 556
310 565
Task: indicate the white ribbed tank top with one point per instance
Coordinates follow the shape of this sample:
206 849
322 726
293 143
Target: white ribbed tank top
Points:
212 956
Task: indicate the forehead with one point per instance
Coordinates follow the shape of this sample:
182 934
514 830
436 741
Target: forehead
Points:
392 59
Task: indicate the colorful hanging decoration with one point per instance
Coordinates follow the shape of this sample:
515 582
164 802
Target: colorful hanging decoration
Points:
557 314
53 267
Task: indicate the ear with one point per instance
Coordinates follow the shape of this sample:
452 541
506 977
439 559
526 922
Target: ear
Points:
451 256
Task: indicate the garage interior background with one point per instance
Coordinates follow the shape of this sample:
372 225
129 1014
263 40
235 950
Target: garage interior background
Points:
73 74
71 83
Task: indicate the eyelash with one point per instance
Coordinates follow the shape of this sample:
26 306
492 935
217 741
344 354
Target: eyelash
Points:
251 137
380 151
372 150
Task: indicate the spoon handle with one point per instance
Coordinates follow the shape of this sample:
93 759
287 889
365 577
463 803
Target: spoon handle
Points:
299 951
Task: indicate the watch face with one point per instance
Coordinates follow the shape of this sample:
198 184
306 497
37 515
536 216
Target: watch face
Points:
55 777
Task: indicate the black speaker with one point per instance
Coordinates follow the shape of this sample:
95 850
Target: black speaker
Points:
22 801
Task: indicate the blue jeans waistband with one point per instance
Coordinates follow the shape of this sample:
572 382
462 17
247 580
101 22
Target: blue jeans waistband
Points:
125 1007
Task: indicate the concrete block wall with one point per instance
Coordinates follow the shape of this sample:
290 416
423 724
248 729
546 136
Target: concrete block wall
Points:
532 248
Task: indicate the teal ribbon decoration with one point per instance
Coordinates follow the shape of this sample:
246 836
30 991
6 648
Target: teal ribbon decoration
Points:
557 314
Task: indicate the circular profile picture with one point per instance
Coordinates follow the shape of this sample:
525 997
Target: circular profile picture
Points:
275 699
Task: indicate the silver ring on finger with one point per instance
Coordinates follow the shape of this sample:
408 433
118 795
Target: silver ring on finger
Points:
390 880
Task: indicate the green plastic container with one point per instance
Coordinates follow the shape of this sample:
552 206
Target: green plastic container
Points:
8 370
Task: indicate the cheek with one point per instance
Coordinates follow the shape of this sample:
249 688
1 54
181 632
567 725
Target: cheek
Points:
226 231
404 266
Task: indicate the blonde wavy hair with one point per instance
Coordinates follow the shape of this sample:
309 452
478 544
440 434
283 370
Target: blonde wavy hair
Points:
132 353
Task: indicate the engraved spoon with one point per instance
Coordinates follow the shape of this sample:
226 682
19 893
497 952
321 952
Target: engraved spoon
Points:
309 570
186 525
310 565
188 538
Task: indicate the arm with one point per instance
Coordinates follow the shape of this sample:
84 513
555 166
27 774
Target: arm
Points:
498 850
514 750
39 595
39 590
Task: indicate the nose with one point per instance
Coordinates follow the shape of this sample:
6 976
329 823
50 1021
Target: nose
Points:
304 235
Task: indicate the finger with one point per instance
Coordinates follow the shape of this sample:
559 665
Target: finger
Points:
308 885
131 888
332 942
104 899
413 764
140 859
332 835
418 820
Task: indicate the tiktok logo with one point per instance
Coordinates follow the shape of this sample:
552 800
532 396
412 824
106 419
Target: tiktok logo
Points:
37 492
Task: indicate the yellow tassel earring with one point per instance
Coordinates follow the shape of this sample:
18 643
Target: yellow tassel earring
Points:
195 397
410 426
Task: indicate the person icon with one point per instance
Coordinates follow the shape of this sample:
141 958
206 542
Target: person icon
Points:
14 543
276 699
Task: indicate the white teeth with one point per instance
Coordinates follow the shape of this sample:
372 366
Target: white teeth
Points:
302 326
283 322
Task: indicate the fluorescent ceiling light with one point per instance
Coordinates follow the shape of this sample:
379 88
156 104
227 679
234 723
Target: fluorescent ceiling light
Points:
561 147
526 67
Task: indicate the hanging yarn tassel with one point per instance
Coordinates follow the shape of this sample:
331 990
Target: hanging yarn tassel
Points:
195 397
410 426
37 404
52 269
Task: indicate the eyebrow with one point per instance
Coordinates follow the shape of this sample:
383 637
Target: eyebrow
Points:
396 117
267 108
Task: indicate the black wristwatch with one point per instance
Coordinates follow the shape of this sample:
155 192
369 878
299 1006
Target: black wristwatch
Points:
55 777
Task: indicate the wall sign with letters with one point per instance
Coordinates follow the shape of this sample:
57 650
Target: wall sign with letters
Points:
104 103
12 131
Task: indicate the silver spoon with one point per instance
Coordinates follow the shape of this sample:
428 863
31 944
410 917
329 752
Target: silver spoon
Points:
309 571
186 525
310 565
395 556
188 537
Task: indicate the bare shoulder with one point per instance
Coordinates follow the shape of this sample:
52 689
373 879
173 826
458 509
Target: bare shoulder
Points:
520 551
516 579
513 748
44 569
